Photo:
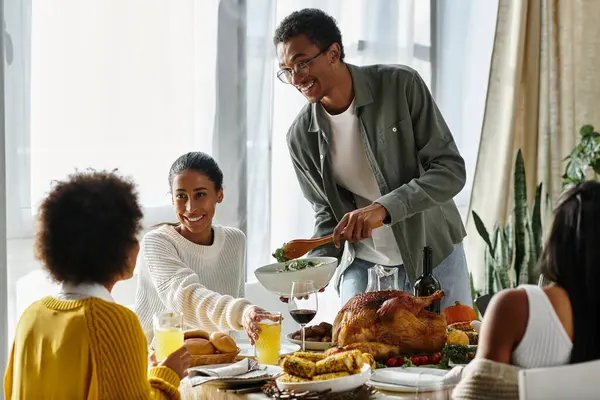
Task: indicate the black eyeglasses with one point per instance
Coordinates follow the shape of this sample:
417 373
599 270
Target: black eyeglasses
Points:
301 69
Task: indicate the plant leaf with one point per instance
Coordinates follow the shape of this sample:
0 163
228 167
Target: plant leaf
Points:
489 273
503 261
480 226
520 223
508 233
596 166
586 130
536 221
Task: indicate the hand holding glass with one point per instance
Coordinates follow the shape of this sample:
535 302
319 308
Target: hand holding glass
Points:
267 345
168 333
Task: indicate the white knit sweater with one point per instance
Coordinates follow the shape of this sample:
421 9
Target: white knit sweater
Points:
205 283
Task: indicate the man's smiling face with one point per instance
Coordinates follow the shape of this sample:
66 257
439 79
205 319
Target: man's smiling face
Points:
316 66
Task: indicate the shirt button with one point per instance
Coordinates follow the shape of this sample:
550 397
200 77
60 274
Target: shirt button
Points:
394 129
350 258
321 156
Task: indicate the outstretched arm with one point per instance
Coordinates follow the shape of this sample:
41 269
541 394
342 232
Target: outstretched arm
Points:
121 354
179 288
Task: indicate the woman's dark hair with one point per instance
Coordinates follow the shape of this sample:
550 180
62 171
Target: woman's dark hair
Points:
319 27
199 162
87 227
571 259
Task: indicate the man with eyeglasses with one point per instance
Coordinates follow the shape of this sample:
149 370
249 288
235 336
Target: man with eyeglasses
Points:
372 147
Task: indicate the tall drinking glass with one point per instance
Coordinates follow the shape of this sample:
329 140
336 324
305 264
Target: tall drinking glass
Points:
266 348
168 333
303 304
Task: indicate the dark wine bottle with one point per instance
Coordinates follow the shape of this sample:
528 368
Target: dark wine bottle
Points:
427 284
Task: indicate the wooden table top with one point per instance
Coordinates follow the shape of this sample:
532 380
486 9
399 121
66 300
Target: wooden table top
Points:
207 392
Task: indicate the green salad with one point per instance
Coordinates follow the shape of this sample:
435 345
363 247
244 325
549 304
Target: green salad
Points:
293 265
279 254
297 265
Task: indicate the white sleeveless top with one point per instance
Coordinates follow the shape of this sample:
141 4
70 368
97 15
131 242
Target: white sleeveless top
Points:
545 342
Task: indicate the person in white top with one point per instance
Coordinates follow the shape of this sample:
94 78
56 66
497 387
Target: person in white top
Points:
195 267
534 327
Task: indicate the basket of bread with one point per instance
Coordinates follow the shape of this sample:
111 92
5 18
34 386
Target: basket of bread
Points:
208 349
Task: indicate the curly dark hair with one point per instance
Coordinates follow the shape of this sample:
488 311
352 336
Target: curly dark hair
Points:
87 226
319 27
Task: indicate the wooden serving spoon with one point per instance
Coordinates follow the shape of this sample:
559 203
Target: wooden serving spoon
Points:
299 247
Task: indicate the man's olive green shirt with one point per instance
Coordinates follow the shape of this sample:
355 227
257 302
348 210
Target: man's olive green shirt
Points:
412 154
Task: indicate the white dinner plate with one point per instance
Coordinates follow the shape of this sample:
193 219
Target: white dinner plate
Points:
343 384
320 346
272 370
409 379
247 350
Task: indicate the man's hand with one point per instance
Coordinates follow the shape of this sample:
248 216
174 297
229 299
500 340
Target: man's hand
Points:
358 224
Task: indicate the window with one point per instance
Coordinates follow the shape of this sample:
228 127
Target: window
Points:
104 84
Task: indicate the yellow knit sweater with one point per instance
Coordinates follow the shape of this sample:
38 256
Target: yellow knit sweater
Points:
83 349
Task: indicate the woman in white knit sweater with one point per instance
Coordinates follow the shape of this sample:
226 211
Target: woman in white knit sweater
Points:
195 267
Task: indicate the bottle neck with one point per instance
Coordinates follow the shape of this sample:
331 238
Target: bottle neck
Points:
427 262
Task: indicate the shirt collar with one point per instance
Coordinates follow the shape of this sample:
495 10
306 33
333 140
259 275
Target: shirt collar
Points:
86 290
362 96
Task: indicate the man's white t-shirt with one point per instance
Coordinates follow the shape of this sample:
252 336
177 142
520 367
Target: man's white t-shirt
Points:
352 171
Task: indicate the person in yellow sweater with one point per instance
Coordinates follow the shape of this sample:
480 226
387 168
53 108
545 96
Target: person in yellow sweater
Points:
80 344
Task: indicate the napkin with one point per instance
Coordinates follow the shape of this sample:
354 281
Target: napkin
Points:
241 370
416 377
227 371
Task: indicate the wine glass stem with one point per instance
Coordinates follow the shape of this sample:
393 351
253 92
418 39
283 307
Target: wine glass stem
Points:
303 343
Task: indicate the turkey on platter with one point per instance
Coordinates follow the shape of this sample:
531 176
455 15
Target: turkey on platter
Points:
389 323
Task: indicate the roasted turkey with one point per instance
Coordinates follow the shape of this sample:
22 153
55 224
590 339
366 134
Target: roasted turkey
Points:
389 323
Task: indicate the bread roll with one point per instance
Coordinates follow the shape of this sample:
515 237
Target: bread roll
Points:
199 347
223 342
196 334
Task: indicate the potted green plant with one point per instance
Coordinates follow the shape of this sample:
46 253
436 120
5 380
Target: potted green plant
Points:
512 252
584 161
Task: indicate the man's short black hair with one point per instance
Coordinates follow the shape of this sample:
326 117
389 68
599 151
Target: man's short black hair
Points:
319 27
87 227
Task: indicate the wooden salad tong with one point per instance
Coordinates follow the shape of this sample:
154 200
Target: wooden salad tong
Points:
299 247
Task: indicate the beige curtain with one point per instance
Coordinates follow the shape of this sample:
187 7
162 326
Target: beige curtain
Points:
543 86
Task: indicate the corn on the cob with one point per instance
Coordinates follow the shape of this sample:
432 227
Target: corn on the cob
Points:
369 359
314 357
292 378
298 366
348 361
332 375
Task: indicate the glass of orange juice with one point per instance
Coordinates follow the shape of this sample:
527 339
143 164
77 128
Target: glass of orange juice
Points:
267 346
168 333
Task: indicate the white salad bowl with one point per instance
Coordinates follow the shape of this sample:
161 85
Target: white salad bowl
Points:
280 283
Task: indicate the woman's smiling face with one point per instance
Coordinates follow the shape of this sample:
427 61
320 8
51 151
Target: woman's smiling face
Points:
195 198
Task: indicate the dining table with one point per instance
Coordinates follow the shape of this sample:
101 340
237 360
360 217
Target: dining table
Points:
208 392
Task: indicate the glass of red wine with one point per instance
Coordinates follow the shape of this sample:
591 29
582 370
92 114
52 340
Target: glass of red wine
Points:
303 304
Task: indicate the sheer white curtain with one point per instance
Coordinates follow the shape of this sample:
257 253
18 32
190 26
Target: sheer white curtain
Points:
3 259
464 42
103 84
